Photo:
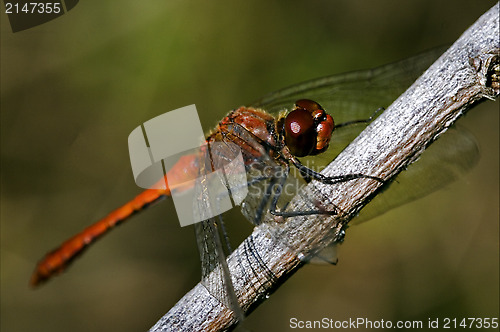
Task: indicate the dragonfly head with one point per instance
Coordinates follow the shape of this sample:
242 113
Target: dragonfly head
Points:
307 129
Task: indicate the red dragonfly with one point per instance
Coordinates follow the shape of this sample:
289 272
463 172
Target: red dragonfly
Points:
268 140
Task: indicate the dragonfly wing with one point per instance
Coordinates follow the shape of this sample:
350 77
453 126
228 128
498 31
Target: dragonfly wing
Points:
212 240
355 95
215 272
443 162
327 255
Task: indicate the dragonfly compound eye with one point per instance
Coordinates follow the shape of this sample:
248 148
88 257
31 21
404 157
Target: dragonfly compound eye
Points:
324 131
300 134
308 128
308 104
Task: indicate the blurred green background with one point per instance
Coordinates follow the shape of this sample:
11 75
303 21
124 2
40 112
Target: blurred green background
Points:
74 88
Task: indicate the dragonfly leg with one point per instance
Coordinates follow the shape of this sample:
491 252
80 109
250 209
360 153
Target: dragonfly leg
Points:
278 188
262 205
306 171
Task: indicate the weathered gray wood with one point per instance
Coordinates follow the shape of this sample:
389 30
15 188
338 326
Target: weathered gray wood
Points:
454 83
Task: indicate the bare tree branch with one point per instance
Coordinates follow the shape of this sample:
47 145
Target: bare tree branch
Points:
467 73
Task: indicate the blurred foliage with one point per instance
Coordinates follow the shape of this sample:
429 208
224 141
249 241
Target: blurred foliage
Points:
74 88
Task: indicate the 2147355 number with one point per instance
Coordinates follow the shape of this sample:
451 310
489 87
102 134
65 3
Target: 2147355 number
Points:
33 8
453 323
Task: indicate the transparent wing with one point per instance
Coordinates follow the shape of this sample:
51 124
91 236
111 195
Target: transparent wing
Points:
215 272
446 160
354 95
212 240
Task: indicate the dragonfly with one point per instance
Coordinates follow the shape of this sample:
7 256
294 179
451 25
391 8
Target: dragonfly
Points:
272 134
